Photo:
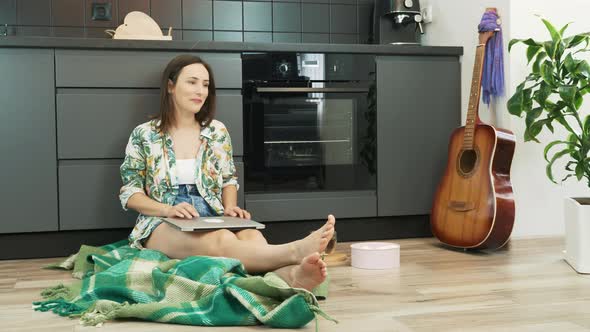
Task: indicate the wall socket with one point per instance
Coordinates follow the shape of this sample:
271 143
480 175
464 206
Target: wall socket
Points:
101 11
426 13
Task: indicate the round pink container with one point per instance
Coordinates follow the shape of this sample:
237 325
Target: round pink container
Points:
374 255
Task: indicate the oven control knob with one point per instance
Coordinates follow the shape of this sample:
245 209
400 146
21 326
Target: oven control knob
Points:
408 3
283 68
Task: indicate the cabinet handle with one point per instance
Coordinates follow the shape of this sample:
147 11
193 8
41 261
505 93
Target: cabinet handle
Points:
316 90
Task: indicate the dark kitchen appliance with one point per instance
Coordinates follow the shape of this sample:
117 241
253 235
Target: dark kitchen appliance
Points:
308 124
397 22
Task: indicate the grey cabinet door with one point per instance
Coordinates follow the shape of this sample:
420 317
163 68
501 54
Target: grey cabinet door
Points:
135 69
28 193
89 195
240 170
96 123
418 106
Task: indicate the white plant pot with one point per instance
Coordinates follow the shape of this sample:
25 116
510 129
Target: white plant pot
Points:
577 234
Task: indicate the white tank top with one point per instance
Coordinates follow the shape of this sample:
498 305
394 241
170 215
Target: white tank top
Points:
186 169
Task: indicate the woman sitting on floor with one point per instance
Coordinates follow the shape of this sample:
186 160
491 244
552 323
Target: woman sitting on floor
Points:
180 165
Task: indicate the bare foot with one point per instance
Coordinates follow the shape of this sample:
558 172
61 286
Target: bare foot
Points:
311 272
314 242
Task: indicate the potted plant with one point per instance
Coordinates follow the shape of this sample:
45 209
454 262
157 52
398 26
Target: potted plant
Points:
552 95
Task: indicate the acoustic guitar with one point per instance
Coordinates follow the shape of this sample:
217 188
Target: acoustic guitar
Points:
473 206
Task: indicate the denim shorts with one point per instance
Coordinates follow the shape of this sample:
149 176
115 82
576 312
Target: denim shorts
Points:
186 193
189 193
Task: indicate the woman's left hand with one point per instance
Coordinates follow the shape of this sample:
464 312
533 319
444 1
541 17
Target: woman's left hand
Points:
236 211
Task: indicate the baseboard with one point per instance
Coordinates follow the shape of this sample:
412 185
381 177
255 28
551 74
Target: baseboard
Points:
60 244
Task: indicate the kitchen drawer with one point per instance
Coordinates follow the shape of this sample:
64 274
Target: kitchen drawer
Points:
312 205
89 196
96 123
130 69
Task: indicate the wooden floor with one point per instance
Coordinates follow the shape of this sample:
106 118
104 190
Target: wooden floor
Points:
527 287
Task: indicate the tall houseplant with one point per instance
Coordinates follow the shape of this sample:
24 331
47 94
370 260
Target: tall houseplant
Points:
552 94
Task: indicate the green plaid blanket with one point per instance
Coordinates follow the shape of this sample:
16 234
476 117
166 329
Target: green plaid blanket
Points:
118 281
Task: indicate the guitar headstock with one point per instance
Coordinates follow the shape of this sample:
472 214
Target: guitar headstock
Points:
486 35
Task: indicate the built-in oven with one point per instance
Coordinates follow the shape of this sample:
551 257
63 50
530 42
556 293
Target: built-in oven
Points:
309 135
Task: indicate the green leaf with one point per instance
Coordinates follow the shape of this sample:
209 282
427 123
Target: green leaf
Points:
549 125
567 177
583 69
512 42
547 72
562 30
531 52
514 104
572 138
587 124
569 63
578 100
555 109
559 49
580 171
552 144
567 93
533 115
527 100
530 133
537 63
528 42
541 95
555 35
574 41
550 49
549 167
561 119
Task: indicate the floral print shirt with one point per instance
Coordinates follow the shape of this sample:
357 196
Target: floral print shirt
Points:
150 167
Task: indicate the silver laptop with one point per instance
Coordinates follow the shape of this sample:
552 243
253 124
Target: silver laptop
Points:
212 223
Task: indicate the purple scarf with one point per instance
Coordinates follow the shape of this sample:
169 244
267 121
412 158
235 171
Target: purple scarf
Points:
492 81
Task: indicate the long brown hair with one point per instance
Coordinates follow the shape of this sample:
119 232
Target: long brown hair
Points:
172 71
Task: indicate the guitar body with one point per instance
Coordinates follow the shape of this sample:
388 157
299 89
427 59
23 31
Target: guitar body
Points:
473 205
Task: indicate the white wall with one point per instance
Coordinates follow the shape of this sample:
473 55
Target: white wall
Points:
539 202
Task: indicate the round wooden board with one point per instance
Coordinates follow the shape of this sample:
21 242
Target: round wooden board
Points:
337 259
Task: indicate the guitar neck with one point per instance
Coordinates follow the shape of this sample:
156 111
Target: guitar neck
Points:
472 111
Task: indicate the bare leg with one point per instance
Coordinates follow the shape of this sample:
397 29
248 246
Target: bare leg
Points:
256 257
253 235
311 272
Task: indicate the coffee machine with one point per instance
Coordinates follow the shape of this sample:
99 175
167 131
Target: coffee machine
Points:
397 22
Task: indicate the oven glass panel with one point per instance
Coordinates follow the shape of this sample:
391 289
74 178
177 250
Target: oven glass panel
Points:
309 135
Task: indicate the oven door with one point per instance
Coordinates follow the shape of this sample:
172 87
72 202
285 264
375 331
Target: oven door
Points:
312 148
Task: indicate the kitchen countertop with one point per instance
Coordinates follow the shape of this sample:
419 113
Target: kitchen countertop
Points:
217 46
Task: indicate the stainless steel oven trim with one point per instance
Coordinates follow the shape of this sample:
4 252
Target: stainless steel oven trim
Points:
312 90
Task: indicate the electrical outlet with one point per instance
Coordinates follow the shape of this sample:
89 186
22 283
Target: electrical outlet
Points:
426 14
101 11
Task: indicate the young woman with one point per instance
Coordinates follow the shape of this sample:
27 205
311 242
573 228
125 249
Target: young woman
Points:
180 165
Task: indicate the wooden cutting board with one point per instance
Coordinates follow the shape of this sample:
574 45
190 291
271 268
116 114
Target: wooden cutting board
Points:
337 259
138 25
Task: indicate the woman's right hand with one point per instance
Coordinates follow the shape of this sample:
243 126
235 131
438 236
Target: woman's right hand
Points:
182 210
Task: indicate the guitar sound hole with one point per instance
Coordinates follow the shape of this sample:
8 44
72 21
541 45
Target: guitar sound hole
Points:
467 161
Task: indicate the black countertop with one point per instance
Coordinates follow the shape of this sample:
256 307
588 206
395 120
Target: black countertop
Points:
217 46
